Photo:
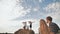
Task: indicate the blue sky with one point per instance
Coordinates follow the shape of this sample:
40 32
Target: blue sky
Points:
14 12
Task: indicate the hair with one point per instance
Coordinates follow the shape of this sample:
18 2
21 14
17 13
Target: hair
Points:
43 27
42 20
49 18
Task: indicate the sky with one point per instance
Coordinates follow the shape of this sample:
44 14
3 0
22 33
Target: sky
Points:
14 12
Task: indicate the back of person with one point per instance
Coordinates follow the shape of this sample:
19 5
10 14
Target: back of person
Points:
43 27
54 27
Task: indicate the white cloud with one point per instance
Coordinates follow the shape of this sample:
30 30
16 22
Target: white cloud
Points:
53 10
19 12
41 0
36 9
10 10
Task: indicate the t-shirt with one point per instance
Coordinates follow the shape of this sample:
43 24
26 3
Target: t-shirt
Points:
54 27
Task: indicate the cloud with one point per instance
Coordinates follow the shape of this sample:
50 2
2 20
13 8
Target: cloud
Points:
10 9
18 12
53 10
36 9
41 0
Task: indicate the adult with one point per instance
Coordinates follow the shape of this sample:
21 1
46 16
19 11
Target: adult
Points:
43 27
53 27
